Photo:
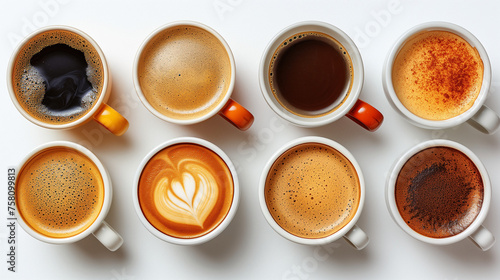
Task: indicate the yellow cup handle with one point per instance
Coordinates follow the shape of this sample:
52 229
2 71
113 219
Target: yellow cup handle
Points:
111 120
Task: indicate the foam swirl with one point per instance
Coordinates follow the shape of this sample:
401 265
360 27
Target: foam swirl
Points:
186 194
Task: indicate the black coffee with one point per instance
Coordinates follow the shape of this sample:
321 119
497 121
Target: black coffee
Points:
439 192
310 72
63 70
57 77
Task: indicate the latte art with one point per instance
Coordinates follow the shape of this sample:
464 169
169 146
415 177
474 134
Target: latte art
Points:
185 190
188 199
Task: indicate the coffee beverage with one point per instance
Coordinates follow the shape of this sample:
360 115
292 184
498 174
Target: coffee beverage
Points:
439 192
184 72
59 192
185 190
437 75
57 76
312 190
310 74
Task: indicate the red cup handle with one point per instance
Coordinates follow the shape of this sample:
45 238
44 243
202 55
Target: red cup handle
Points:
237 115
366 115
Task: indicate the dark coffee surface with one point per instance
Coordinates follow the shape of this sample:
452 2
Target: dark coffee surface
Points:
439 192
311 72
58 77
63 70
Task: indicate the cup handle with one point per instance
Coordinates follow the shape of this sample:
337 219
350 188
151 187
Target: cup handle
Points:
357 238
485 120
483 238
366 115
237 115
111 120
108 236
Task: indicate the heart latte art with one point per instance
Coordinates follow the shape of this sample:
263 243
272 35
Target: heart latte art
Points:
188 199
185 190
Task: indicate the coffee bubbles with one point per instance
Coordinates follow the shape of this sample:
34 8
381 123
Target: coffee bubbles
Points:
57 77
60 192
312 190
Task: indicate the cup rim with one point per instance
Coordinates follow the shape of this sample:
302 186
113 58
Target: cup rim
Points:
356 60
108 192
230 214
391 182
391 94
145 43
262 184
98 102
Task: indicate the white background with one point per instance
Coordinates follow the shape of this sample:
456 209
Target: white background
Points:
248 248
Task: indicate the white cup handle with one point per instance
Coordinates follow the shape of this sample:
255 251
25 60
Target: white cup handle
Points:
483 238
108 236
357 238
485 120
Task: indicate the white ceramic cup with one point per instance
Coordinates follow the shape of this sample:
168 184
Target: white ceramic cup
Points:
359 111
351 232
210 235
99 228
229 109
479 116
100 112
481 237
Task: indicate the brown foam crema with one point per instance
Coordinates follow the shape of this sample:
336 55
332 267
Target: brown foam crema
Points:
439 192
184 72
28 83
437 75
59 192
312 190
185 190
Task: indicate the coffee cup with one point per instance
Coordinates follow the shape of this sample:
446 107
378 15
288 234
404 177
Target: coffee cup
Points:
312 192
439 192
186 191
184 73
58 78
63 193
438 75
311 74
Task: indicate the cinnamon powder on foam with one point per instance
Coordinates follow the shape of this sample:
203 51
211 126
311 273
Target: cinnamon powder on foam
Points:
437 75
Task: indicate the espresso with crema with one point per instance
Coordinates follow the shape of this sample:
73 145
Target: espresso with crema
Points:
59 192
312 190
184 72
437 75
185 190
57 77
439 192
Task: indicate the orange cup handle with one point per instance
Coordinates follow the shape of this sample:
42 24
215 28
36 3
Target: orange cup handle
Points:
111 120
237 115
366 115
